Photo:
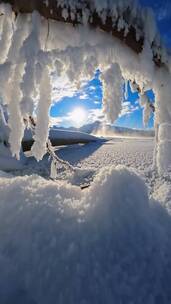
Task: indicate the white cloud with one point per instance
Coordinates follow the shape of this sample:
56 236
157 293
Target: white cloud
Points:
63 87
84 96
92 88
95 114
55 121
128 108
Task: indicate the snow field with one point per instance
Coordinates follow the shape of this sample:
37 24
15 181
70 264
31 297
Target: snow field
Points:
59 244
132 152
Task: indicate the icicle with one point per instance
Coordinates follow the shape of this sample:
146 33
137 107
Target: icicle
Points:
29 52
146 114
15 118
5 70
65 13
13 57
41 130
145 104
7 32
112 92
20 34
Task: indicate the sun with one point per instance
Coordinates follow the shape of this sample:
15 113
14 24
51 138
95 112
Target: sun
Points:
78 116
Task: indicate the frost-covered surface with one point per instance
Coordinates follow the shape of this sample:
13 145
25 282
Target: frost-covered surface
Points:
110 243
164 148
42 124
107 244
145 103
112 82
137 153
132 152
34 48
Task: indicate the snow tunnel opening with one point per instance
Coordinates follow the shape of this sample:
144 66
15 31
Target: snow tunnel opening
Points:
34 48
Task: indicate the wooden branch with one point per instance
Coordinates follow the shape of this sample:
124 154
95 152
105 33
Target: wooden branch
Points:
54 11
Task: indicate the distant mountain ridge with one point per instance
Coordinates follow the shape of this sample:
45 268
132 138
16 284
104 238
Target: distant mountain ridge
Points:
98 128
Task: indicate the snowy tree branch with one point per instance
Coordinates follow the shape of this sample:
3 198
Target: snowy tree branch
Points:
125 27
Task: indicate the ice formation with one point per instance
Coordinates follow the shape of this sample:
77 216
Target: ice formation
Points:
42 125
32 48
112 92
145 104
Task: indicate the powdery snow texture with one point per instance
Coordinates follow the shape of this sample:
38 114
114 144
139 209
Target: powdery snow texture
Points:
107 244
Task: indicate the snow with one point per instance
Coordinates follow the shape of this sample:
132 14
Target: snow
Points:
34 47
131 152
56 134
15 122
4 131
42 123
6 34
112 92
163 149
145 104
165 132
108 243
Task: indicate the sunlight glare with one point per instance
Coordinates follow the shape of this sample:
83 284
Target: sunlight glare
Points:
78 116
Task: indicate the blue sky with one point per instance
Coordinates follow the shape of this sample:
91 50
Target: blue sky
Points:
162 11
89 97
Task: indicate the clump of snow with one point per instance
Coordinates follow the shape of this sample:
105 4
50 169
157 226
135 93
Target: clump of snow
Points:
29 51
162 193
5 70
107 244
21 28
42 125
145 103
7 31
112 92
15 122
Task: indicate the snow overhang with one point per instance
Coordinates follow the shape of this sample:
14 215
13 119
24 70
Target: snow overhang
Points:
124 19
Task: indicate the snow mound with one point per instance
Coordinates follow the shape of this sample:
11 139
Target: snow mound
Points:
106 244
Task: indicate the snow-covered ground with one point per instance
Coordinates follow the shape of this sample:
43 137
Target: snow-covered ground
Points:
135 152
109 243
